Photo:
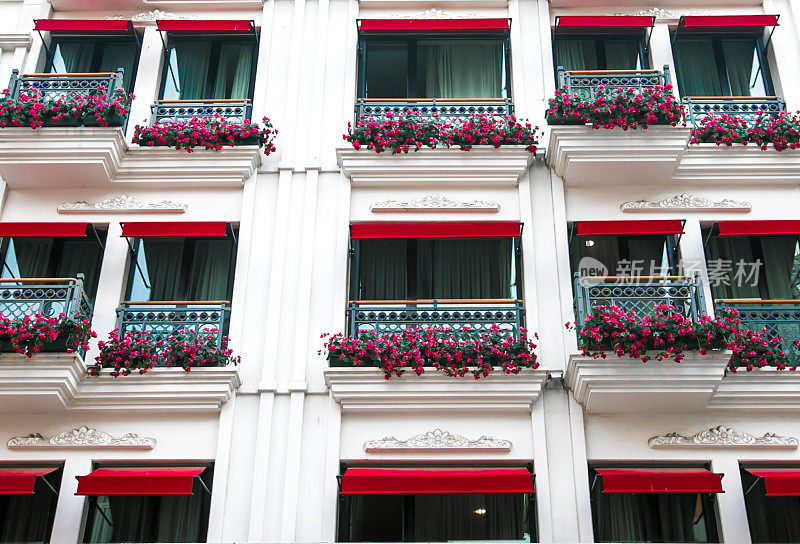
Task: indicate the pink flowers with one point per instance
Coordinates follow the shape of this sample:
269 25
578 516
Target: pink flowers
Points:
209 133
624 108
410 130
33 110
32 333
139 351
781 131
454 352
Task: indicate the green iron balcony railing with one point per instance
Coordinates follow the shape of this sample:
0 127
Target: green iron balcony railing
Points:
779 317
445 108
381 316
46 296
585 82
638 293
747 107
53 86
161 318
233 110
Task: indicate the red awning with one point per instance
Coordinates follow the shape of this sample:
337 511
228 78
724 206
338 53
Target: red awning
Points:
756 228
139 481
207 27
361 231
604 23
63 230
432 25
403 481
726 23
131 229
84 26
20 481
780 482
648 226
664 480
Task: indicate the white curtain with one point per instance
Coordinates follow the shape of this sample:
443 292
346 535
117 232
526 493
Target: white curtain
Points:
463 69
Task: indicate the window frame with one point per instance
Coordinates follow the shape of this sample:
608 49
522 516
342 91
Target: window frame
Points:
97 56
411 39
600 38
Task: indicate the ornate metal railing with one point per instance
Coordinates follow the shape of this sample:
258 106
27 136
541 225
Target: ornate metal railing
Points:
638 293
233 110
447 108
778 317
163 318
585 82
53 86
746 107
392 316
46 296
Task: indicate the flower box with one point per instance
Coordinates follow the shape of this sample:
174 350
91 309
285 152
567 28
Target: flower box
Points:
57 346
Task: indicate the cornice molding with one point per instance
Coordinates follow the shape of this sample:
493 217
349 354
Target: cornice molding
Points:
723 437
434 203
683 202
436 440
122 203
83 438
10 41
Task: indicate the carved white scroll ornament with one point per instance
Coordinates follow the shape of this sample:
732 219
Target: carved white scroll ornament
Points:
437 440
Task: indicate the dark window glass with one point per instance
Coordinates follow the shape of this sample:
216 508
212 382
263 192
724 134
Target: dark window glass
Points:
651 255
765 267
29 518
130 518
55 258
434 68
720 66
598 53
651 517
205 68
183 269
80 55
436 517
771 519
436 268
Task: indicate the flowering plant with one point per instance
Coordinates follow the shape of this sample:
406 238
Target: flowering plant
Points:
624 108
185 350
454 352
209 133
410 130
753 349
31 333
781 131
33 109
130 351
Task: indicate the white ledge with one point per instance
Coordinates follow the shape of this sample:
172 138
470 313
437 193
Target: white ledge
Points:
482 165
582 155
624 385
45 382
738 164
761 389
10 41
366 390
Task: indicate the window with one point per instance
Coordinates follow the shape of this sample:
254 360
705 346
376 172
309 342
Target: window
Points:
599 52
448 268
208 67
30 257
756 267
772 518
721 65
79 55
183 268
432 67
639 255
26 516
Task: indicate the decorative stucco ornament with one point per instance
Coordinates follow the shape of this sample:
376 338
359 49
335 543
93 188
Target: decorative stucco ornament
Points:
83 438
723 437
685 201
437 440
434 203
122 203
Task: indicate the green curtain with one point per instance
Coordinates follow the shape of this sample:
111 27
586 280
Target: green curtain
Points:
464 268
209 274
383 269
81 256
164 260
119 55
73 56
600 248
622 54
442 518
28 518
188 66
730 249
234 71
771 519
696 67
780 269
33 256
462 69
576 53
742 66
649 254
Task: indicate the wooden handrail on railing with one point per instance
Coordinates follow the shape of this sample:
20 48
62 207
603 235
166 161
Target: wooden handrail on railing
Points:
759 301
441 301
203 100
73 74
592 72
732 97
433 99
161 302
36 280
628 278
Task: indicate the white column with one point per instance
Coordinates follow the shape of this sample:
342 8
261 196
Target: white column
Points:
33 9
544 507
291 481
331 485
260 102
783 52
693 259
148 79
222 467
661 52
732 514
111 284
68 521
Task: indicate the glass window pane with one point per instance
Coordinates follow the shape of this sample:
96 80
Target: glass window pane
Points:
698 73
27 258
119 55
234 71
159 272
744 73
72 56
622 55
387 70
187 71
460 68
576 53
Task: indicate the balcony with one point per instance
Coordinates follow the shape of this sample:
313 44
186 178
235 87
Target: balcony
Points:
746 107
585 82
382 316
446 108
778 317
638 293
53 86
176 111
46 296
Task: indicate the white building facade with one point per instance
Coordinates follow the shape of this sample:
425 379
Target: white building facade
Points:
265 445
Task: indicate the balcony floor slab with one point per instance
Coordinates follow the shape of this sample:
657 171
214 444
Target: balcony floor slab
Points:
762 389
738 165
43 383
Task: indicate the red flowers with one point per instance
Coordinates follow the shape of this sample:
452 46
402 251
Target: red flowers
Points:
410 130
31 333
33 110
454 352
781 131
209 133
624 108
